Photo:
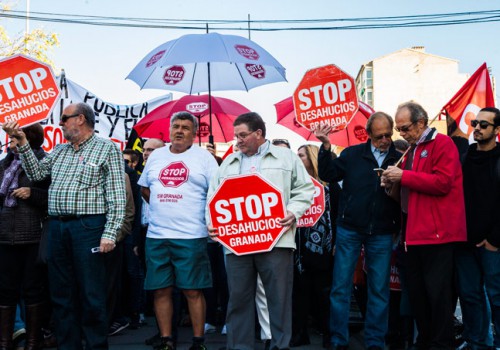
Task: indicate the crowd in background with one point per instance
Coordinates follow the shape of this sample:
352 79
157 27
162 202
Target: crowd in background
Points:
107 252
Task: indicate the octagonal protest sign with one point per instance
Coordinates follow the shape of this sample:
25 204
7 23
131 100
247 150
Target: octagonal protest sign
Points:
325 95
28 90
174 75
174 174
245 210
317 208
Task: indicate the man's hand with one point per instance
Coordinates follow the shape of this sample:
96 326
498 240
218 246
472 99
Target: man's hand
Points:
14 131
212 232
393 174
288 220
487 245
106 245
22 192
211 149
322 134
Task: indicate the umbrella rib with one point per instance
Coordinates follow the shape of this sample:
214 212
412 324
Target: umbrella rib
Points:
192 79
219 37
241 76
150 74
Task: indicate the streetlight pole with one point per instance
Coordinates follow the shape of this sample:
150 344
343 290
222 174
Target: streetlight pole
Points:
27 26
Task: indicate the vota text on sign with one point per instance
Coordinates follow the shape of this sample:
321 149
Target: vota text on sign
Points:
29 89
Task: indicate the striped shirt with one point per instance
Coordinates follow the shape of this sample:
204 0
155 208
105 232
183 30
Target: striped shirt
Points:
86 181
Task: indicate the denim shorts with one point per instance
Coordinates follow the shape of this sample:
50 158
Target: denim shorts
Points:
177 262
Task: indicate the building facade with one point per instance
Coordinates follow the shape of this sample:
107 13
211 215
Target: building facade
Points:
409 74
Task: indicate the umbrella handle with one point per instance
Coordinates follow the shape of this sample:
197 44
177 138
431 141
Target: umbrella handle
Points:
211 139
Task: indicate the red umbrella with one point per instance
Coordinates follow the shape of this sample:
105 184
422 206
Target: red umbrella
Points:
224 111
354 134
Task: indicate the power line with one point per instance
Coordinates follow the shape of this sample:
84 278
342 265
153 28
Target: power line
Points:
356 23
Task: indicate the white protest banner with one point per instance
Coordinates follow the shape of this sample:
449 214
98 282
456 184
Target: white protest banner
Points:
114 122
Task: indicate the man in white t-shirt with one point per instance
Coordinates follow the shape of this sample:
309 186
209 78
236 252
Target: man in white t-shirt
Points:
175 183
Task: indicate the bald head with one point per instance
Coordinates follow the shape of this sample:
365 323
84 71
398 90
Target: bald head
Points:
149 146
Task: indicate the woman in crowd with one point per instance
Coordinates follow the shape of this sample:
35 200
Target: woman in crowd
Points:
314 260
23 207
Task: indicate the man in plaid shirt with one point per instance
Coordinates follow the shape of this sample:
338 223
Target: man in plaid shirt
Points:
86 210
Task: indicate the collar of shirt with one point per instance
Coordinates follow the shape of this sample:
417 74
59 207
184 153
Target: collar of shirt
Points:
84 143
378 155
251 164
424 135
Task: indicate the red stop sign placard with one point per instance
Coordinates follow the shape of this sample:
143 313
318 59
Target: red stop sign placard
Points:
325 95
28 90
312 215
245 211
174 174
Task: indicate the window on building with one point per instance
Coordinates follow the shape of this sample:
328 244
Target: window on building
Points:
369 97
369 79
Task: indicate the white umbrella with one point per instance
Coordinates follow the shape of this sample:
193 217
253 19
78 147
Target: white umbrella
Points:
207 62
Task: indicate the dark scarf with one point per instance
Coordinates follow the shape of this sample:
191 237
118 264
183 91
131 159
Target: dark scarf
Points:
10 182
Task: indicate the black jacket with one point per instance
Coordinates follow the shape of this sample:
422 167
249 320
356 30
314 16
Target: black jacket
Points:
481 171
23 223
364 206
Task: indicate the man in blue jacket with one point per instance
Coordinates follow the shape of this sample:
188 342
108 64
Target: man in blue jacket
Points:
367 217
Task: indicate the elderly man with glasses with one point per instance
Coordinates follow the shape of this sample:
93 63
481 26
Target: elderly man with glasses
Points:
86 211
285 170
433 209
367 217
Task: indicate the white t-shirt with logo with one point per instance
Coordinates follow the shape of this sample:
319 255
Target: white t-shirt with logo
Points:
178 184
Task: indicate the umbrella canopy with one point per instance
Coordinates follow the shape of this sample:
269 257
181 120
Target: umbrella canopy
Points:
353 134
224 111
207 62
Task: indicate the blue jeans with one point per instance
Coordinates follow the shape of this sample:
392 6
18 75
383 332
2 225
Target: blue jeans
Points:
19 322
378 249
78 282
475 309
491 267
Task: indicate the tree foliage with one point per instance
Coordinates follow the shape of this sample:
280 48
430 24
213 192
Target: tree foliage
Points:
38 43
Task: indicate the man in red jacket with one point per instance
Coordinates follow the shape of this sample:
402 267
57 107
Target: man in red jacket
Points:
433 209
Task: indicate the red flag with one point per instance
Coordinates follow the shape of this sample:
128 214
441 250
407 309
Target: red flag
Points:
464 106
228 152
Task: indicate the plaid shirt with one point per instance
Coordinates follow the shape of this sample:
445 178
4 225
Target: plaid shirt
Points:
86 181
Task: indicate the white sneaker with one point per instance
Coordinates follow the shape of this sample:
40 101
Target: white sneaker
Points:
210 328
224 330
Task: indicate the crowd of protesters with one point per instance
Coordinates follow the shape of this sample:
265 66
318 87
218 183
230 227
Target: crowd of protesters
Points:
92 239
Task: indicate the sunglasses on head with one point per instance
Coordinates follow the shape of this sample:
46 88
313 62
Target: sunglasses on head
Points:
483 124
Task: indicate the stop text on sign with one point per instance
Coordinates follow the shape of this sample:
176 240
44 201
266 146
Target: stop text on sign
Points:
325 95
28 90
255 206
329 93
246 212
22 83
